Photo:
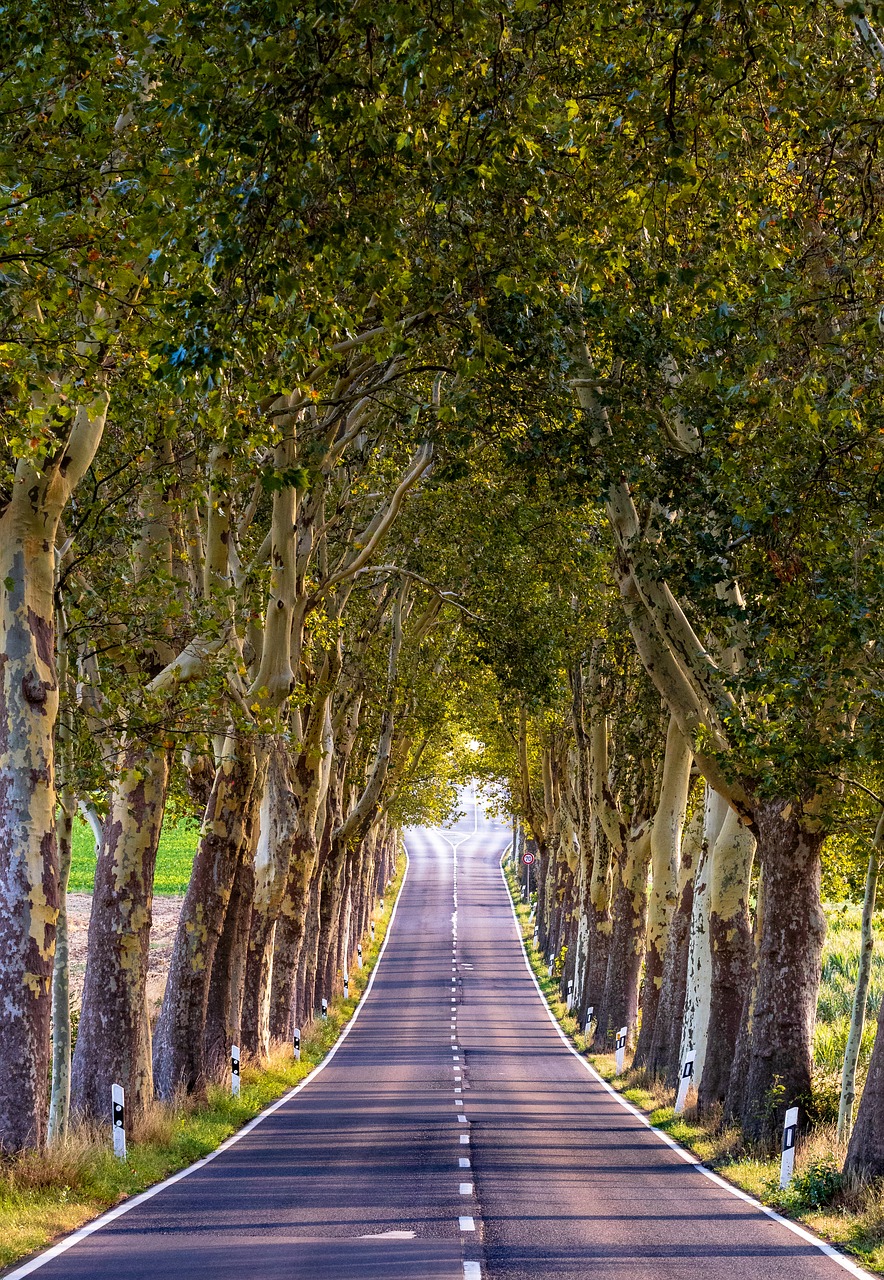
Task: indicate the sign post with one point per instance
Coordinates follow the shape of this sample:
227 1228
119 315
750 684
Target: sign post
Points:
588 1026
359 954
790 1137
324 1007
346 986
570 993
620 1048
528 859
684 1082
118 1110
297 1044
234 1070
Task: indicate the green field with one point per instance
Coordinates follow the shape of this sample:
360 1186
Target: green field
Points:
840 967
174 858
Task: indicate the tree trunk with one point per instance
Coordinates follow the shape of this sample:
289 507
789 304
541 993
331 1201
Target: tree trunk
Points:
730 944
28 854
663 1059
665 858
289 939
860 995
113 1038
179 1060
273 854
629 913
698 991
28 711
60 1097
223 1026
789 966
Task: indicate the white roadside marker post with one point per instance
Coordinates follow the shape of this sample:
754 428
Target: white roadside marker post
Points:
297 1044
324 1007
359 954
552 961
234 1070
382 906
346 986
684 1083
620 1046
790 1136
372 930
570 994
590 1011
118 1110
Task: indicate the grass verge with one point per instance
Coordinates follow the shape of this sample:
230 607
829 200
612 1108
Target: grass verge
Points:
44 1195
847 1213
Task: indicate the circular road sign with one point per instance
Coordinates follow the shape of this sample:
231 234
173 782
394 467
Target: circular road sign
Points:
528 858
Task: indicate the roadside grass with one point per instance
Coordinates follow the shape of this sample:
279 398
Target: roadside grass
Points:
46 1194
846 1212
175 854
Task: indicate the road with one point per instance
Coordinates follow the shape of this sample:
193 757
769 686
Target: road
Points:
452 1136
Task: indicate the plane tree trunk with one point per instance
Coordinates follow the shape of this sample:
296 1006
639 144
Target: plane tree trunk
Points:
178 1056
113 1038
28 711
788 972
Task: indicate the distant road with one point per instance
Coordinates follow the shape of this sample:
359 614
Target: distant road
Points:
453 1136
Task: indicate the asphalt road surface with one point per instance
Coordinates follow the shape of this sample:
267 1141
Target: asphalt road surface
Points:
453 1136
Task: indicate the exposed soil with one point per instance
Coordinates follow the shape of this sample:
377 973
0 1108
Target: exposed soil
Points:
165 921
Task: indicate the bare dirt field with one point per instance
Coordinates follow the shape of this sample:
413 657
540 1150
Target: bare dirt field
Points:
165 921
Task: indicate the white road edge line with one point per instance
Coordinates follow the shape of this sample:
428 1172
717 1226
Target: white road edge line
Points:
117 1212
829 1250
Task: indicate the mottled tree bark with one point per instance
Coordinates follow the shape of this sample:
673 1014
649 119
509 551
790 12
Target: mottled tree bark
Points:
289 939
223 1025
663 1059
629 915
113 1039
273 853
730 945
665 858
60 1100
28 711
789 967
178 1060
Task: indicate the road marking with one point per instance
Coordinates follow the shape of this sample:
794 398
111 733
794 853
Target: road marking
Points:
466 1188
458 1090
464 1162
466 1223
464 1137
458 1102
455 1058
688 1156
389 1235
472 1271
462 1118
117 1212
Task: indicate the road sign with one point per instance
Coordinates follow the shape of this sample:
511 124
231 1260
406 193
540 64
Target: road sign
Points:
528 858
